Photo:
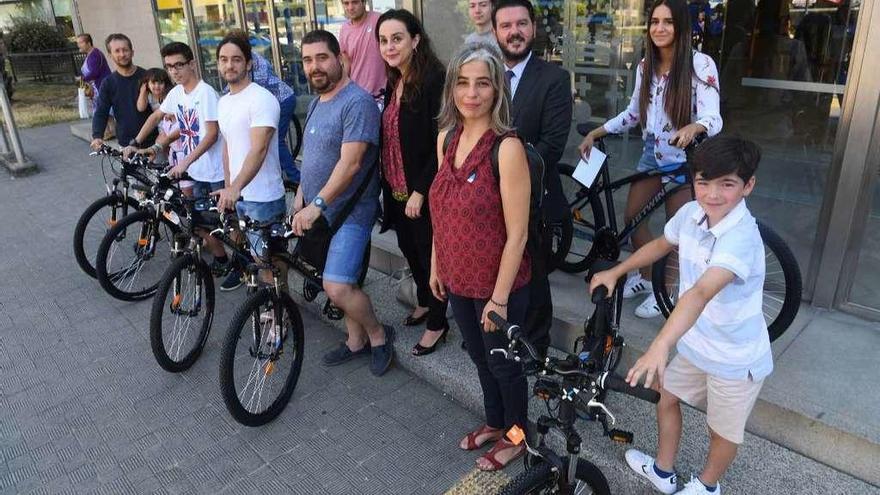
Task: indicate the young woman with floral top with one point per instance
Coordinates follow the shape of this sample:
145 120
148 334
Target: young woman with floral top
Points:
676 97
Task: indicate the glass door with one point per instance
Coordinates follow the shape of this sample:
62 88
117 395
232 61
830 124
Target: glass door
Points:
257 21
170 21
212 19
292 22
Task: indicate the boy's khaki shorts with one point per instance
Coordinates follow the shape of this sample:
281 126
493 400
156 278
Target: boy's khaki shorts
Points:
727 403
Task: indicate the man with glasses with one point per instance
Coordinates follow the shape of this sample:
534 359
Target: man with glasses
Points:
119 92
192 103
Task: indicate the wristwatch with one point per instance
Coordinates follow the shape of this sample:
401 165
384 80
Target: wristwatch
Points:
319 202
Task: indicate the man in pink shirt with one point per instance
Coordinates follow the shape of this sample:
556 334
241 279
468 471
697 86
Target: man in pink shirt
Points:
360 48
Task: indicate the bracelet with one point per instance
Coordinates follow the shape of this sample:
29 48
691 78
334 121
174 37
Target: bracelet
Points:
497 303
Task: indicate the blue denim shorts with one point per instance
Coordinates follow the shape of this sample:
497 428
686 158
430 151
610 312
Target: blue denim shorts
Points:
346 253
648 162
202 189
261 211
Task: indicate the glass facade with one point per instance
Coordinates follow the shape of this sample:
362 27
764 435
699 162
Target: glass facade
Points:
865 289
212 19
170 21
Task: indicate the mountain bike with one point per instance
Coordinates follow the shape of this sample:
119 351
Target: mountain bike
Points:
594 221
105 212
576 385
266 329
136 250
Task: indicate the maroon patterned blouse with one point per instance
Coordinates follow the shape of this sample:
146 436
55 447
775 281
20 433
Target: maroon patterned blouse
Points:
468 221
392 159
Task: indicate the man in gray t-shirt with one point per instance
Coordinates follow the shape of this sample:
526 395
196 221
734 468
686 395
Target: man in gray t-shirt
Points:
340 149
480 13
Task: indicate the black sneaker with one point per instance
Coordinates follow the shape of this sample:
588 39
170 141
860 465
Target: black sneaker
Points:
383 354
343 354
232 281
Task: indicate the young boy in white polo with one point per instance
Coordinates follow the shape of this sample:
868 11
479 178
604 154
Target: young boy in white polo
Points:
717 325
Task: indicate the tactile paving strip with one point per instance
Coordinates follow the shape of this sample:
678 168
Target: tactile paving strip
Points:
479 482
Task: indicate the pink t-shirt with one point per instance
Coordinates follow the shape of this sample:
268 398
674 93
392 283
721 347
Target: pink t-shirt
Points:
359 43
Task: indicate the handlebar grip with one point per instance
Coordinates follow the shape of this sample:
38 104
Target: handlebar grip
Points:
599 293
512 331
616 383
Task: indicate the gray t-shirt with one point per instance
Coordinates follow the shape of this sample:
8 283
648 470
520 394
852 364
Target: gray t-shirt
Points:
351 116
488 37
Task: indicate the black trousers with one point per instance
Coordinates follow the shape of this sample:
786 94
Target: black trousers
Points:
505 389
539 316
414 240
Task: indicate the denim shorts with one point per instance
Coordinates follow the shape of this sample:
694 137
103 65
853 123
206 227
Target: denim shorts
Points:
202 189
648 162
261 211
346 253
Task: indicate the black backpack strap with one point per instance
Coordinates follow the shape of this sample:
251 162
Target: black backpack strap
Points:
352 201
496 147
448 139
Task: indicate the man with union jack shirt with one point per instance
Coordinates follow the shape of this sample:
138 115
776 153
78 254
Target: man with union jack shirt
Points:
192 103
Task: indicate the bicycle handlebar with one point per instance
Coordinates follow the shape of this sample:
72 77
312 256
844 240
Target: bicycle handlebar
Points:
611 381
599 293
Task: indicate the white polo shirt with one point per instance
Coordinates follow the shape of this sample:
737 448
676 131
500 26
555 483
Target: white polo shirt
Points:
730 338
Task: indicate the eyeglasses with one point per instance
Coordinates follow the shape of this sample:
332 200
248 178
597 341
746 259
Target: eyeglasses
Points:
177 66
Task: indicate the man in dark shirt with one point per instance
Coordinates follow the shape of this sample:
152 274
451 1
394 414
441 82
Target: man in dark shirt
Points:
119 91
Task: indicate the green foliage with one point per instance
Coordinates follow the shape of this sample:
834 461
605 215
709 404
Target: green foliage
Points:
30 35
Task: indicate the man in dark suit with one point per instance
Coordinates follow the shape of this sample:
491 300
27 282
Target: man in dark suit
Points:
541 113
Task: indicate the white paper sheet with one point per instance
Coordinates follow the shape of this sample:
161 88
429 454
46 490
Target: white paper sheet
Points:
587 171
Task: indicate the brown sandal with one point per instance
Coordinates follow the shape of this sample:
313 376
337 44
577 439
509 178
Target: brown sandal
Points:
483 430
500 445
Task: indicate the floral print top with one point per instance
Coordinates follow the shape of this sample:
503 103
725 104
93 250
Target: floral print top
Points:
706 98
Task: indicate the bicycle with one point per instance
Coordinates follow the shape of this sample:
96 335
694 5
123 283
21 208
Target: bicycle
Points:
594 220
579 393
103 213
261 330
125 263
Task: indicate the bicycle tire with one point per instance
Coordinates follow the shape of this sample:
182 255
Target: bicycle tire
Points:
365 264
294 150
584 227
560 242
540 478
174 275
791 293
117 283
112 201
244 320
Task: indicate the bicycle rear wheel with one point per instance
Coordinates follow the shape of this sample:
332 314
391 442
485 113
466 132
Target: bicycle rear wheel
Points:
92 226
134 255
258 373
782 283
587 216
540 479
182 312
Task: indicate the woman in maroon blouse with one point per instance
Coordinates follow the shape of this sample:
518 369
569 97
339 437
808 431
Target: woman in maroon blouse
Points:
409 163
480 228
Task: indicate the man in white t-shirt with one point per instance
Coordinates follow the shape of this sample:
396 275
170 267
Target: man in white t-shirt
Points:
193 105
248 117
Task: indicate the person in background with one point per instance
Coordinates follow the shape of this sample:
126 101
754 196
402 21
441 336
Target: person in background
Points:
409 160
480 13
675 98
94 69
119 93
360 50
480 223
540 109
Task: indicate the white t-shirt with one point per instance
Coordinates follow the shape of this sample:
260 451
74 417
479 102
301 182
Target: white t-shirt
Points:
251 107
191 112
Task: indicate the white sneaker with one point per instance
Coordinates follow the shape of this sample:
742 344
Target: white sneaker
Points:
643 465
635 285
696 487
649 308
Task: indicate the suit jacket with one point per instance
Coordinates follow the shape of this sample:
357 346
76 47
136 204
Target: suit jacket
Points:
541 113
418 140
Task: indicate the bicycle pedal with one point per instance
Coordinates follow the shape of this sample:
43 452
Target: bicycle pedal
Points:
332 311
620 436
310 291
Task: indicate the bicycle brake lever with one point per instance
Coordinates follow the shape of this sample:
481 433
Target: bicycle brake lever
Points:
604 409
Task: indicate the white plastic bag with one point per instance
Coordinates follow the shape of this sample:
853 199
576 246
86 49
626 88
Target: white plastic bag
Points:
82 102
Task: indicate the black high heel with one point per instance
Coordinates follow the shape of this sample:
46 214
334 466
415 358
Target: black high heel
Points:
420 350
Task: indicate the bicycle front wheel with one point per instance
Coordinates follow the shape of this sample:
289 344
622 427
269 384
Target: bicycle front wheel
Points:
262 357
183 310
94 223
134 255
540 479
782 283
587 216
